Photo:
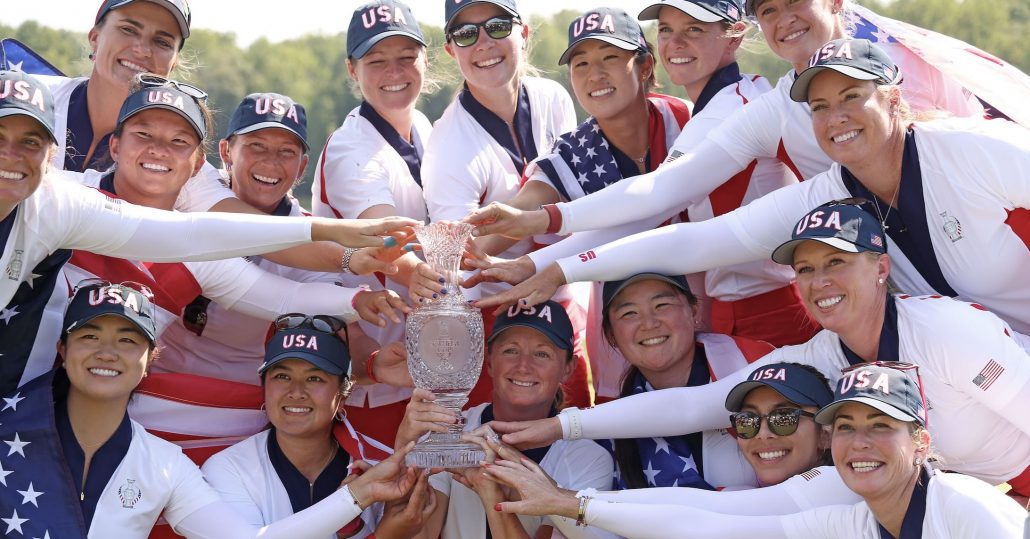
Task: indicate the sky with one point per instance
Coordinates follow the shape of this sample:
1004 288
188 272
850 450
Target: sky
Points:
274 20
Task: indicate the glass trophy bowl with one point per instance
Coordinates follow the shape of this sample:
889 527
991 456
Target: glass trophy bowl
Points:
444 341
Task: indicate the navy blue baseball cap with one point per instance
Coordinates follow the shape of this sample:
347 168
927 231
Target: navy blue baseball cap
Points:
327 351
703 10
610 25
548 318
887 389
453 7
796 383
94 298
22 94
170 96
269 111
612 288
376 21
846 227
178 8
855 58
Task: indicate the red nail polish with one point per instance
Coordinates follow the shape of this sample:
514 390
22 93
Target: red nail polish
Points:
497 507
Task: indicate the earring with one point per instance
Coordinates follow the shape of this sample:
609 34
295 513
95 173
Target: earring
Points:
262 407
918 462
341 415
879 281
92 55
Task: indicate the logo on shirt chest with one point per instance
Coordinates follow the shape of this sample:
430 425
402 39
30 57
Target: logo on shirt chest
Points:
129 494
952 227
13 270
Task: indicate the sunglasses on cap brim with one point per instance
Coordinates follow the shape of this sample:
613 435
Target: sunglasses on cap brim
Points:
466 35
103 283
150 80
781 421
319 322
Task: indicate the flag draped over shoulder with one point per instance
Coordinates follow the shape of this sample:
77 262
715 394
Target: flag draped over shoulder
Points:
37 498
999 84
17 56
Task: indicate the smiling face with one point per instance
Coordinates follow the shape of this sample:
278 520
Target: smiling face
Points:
391 75
526 368
265 164
652 325
851 118
607 80
839 289
692 50
140 37
776 458
795 29
156 153
24 150
106 358
874 453
301 399
489 64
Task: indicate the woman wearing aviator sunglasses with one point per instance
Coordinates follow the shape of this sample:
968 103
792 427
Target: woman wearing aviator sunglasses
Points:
881 448
297 462
975 373
500 122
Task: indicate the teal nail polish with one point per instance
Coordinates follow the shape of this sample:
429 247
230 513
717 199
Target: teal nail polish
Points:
390 241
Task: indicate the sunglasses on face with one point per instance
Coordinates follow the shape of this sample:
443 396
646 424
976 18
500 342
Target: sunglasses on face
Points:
781 421
150 80
466 35
103 283
319 322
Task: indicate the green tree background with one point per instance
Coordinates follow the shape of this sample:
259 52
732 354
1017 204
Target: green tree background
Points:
312 68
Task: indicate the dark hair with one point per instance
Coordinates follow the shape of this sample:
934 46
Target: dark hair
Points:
825 458
627 452
652 80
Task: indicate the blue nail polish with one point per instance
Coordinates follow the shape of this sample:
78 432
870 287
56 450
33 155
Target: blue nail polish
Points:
410 247
390 241
443 290
442 281
434 296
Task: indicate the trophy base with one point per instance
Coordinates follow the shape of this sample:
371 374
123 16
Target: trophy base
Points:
445 455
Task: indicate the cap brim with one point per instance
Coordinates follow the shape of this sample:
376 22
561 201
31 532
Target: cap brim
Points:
799 90
736 397
365 46
318 361
271 125
447 23
784 254
551 335
78 323
200 131
650 13
22 112
643 277
184 25
620 43
829 412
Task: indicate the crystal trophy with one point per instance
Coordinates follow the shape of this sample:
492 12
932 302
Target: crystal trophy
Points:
444 341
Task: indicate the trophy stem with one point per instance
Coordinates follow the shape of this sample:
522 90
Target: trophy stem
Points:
446 449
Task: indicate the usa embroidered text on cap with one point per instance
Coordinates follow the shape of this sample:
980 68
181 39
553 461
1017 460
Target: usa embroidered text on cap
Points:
376 21
846 227
792 380
886 389
610 25
92 301
855 58
168 98
326 351
22 94
548 318
269 110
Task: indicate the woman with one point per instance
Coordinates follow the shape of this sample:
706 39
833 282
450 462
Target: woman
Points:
650 319
265 153
880 447
30 196
297 463
500 122
529 354
111 476
974 371
371 168
942 215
